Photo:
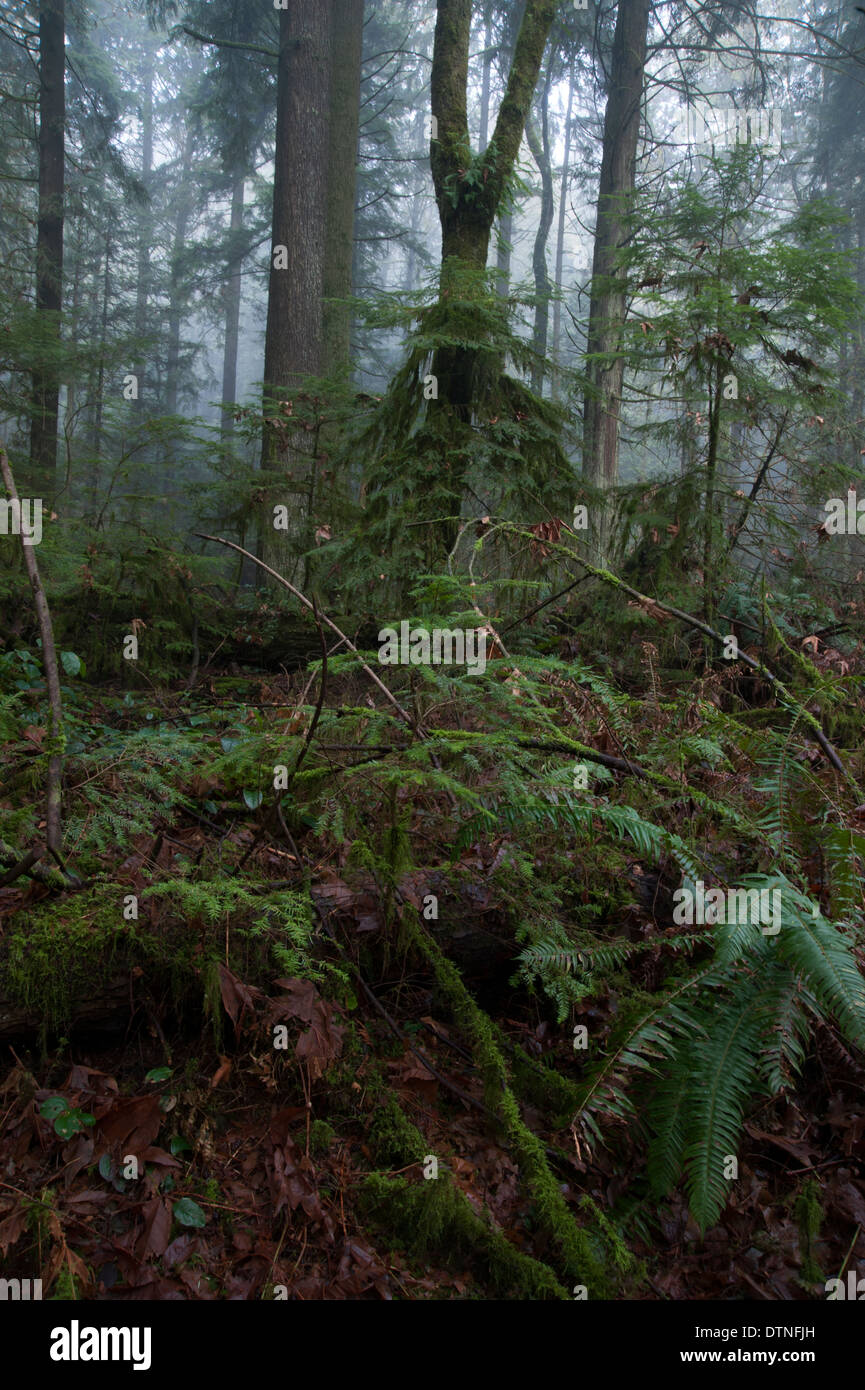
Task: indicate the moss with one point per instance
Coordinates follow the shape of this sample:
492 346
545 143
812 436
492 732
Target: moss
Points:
434 1216
542 1086
809 1214
581 1256
321 1137
55 957
394 1140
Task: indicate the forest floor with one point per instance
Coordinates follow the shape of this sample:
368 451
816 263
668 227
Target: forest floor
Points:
172 1149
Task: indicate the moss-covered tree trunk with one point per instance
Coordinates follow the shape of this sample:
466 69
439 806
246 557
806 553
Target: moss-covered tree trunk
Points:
469 189
468 204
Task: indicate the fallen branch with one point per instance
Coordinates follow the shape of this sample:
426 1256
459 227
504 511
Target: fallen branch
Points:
591 755
53 823
307 603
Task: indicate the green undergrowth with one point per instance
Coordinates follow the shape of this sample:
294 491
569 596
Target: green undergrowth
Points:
52 960
689 1025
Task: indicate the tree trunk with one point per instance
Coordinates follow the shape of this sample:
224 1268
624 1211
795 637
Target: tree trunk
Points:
505 232
712 462
146 233
504 248
232 306
175 296
605 367
539 144
467 209
486 81
294 340
103 339
49 234
560 242
71 380
342 180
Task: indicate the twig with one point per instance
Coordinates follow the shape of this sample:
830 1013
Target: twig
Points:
547 601
218 540
307 739
648 604
53 826
590 754
755 487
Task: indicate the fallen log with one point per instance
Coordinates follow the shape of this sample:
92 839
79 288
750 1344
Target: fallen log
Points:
108 1008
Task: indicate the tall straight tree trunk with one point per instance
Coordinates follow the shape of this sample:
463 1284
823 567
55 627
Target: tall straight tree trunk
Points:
347 53
415 211
49 232
504 250
486 80
539 144
295 335
100 375
175 298
146 234
232 306
607 307
560 241
71 380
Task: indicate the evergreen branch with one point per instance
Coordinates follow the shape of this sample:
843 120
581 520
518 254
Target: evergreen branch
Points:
229 43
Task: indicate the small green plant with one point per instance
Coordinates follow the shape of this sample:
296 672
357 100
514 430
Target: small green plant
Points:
67 1121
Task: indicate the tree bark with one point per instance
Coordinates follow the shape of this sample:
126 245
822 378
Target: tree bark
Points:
539 144
342 180
560 241
468 207
175 296
605 367
232 306
142 293
49 233
294 340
